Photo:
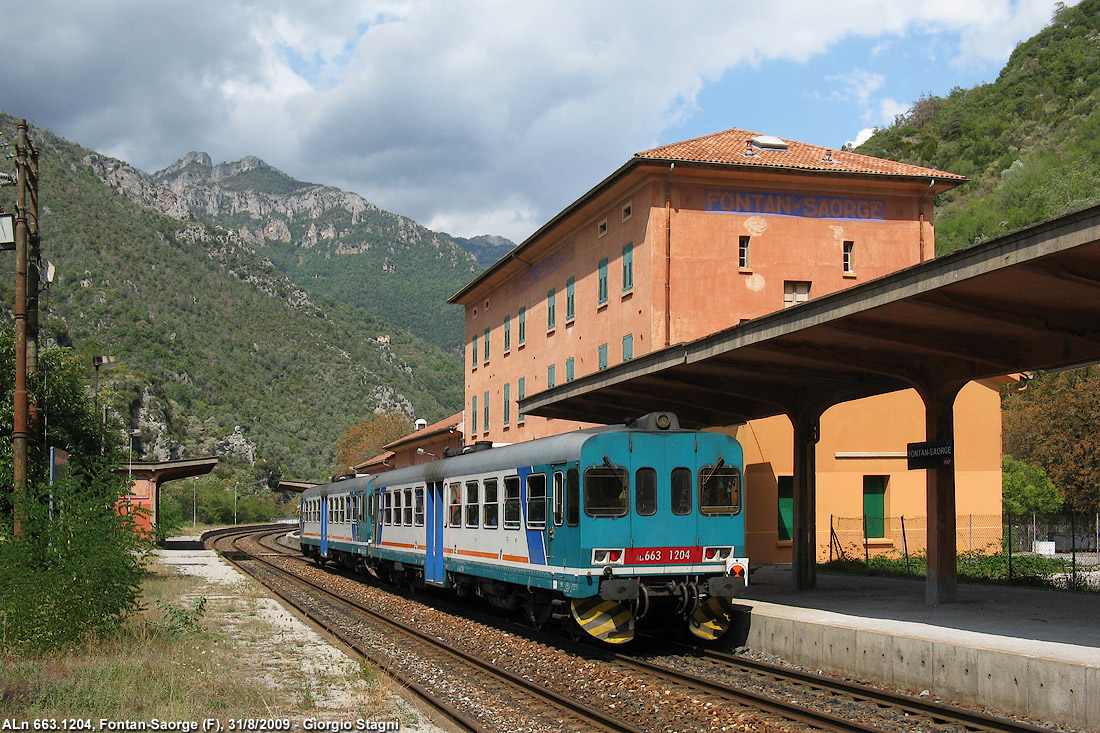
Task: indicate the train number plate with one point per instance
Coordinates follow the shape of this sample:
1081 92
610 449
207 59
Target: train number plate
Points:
663 555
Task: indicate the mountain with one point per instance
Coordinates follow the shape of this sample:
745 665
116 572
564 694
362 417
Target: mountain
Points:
325 240
1029 141
487 248
218 350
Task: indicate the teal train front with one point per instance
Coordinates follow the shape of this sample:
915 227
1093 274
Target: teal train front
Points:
600 529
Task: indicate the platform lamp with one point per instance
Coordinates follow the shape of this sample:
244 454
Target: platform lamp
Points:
102 362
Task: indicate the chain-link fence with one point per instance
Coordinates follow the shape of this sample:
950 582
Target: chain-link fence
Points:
1060 550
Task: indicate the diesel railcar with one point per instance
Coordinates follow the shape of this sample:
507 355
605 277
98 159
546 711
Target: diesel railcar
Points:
601 527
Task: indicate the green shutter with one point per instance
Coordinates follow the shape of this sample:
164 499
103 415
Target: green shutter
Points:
874 506
786 508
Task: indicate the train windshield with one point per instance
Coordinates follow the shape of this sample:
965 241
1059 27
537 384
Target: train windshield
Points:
605 490
720 489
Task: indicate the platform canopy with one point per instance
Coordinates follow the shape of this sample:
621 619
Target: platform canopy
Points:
1025 301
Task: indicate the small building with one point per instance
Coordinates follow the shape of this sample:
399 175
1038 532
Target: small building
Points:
146 478
691 238
426 443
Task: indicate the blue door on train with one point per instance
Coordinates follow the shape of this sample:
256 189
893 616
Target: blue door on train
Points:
661 469
324 525
434 571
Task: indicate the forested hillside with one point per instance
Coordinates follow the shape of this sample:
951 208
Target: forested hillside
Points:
1029 142
219 352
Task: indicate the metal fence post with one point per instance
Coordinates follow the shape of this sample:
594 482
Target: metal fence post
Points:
1073 545
1008 526
905 545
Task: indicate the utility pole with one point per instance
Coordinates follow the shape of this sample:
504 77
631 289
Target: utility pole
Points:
26 188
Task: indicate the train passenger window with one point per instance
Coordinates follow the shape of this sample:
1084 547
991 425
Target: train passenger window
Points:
363 508
573 497
492 507
681 491
388 500
511 502
419 518
454 514
409 507
536 500
559 498
719 489
397 507
645 491
605 490
471 503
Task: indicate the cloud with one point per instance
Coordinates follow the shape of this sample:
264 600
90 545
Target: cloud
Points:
464 115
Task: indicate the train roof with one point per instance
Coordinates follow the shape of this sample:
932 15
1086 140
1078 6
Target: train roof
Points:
338 487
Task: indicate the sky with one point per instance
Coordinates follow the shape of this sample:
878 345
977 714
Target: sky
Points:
478 116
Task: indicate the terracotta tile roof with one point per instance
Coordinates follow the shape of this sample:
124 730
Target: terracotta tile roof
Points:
447 424
379 459
729 147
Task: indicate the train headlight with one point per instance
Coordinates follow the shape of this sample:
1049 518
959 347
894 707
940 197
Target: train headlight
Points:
714 554
614 556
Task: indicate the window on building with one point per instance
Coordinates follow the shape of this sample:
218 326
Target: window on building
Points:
485 409
569 373
473 351
507 334
795 292
874 506
473 414
786 508
601 295
507 404
628 267
848 265
628 210
550 374
570 299
601 229
601 357
551 315
743 253
521 392
486 344
522 326
628 347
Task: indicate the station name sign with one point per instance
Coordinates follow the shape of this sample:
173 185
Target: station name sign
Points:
795 204
930 454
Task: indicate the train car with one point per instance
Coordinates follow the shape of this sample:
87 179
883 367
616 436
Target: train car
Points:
334 523
601 527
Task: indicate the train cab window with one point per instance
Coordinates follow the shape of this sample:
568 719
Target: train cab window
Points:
471 503
536 500
454 513
573 497
511 502
397 507
409 507
605 490
387 499
719 489
492 505
419 516
645 491
681 491
559 498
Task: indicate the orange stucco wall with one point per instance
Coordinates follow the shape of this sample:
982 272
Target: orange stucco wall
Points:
686 262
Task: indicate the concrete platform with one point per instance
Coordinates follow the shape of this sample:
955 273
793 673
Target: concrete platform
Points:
1021 650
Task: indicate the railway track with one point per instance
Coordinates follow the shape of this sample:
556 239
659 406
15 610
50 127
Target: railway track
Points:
413 656
695 679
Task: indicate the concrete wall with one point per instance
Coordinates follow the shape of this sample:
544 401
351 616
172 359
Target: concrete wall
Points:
1066 692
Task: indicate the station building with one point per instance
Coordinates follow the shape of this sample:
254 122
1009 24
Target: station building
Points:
691 238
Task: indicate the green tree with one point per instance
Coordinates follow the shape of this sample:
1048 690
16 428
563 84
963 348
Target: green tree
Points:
1027 489
76 566
1053 424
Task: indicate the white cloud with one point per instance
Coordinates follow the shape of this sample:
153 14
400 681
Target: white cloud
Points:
480 113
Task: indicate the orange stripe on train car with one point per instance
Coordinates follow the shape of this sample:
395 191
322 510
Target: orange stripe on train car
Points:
477 553
403 545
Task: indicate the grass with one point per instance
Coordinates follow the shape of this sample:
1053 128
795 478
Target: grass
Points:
163 665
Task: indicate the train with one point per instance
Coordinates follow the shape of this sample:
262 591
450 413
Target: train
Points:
598 529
